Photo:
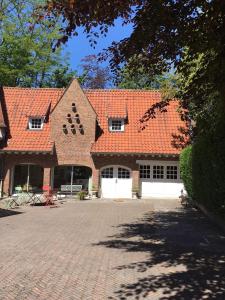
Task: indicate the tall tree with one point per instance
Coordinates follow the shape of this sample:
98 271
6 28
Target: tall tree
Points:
166 34
95 75
26 56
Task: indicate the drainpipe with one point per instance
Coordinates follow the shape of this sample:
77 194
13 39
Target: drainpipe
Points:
71 186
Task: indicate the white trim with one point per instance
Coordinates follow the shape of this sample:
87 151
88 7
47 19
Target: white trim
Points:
116 119
35 118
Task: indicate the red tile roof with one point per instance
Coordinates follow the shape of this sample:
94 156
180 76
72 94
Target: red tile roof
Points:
156 138
20 104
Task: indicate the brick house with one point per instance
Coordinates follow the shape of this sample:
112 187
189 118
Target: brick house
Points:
91 138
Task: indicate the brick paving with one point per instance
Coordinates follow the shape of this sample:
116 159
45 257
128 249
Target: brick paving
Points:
110 250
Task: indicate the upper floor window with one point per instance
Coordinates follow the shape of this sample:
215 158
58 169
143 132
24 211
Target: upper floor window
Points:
116 124
36 123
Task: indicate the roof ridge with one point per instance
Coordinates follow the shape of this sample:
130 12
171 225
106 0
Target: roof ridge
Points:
32 88
121 90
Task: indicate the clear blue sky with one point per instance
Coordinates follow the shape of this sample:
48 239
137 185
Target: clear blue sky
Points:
78 47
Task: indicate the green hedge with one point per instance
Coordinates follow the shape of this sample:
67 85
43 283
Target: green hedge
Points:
208 161
186 169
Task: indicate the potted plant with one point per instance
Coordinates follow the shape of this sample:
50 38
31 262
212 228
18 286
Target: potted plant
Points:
135 193
82 195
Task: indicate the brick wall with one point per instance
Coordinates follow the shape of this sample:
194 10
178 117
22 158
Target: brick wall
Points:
73 146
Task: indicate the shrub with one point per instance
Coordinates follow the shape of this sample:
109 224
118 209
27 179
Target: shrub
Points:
82 195
186 169
209 172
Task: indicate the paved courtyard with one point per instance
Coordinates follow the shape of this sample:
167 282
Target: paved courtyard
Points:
110 250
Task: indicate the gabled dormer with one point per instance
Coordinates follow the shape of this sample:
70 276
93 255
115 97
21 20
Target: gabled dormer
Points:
116 124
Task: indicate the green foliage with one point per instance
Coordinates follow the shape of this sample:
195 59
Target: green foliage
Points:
26 56
82 195
208 169
167 83
186 169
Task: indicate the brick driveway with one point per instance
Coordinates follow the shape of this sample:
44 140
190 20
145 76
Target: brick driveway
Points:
110 250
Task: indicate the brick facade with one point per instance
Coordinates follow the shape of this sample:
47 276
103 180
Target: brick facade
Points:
73 129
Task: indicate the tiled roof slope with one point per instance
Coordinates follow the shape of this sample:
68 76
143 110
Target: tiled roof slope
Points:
21 103
156 138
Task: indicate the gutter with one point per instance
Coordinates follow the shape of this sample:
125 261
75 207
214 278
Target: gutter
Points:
136 153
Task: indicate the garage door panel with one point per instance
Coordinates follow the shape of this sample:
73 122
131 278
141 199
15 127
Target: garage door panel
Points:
161 189
116 182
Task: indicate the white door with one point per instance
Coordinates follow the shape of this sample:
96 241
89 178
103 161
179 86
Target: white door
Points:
160 180
116 182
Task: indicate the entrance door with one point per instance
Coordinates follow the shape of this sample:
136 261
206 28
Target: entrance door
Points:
116 182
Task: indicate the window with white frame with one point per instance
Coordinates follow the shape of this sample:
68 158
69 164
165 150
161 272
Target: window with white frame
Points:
36 123
123 173
107 173
116 124
171 172
145 171
158 172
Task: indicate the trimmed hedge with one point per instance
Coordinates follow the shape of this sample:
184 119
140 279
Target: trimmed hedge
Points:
208 161
186 169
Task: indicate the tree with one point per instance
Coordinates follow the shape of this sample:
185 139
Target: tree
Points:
166 34
95 76
26 57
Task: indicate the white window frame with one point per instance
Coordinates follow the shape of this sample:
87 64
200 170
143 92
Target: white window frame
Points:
111 124
164 164
35 118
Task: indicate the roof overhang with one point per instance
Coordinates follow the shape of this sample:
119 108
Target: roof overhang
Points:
153 155
23 152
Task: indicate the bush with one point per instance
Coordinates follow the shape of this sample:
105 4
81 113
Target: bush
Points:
186 170
209 172
82 195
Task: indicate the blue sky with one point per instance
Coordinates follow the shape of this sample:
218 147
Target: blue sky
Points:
78 47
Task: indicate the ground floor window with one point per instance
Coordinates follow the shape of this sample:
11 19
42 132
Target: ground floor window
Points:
28 177
69 177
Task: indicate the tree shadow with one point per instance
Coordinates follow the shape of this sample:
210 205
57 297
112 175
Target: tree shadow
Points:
189 250
8 213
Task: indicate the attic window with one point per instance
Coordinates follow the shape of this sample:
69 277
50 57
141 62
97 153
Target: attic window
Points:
36 123
116 125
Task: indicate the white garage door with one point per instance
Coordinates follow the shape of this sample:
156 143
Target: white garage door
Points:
160 180
116 182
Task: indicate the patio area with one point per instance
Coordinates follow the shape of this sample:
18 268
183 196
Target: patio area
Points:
139 249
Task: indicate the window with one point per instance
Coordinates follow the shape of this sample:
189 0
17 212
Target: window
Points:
116 124
36 123
107 173
171 172
145 171
123 173
158 172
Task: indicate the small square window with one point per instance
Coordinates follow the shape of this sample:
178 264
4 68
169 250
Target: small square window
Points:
36 123
171 172
145 172
158 172
116 125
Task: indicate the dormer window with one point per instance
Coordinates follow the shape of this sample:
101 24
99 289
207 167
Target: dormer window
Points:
116 125
36 123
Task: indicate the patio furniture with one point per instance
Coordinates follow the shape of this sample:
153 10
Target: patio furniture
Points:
68 190
12 201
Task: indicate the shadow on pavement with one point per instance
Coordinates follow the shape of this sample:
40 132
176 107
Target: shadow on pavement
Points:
187 247
8 213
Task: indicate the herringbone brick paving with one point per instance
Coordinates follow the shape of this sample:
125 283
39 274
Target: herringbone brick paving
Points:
93 250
